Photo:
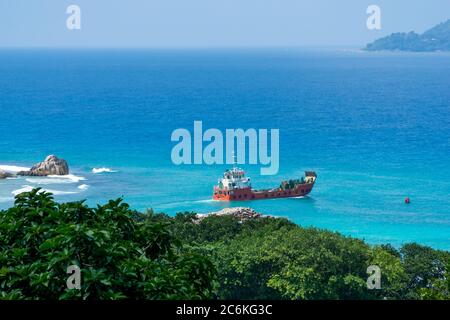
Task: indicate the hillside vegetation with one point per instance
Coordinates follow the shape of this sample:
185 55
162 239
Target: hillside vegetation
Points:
435 39
124 254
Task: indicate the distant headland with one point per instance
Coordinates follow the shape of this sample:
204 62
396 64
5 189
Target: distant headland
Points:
432 40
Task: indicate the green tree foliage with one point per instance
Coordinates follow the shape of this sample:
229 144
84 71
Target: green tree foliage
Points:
272 258
124 254
295 263
424 266
120 257
438 288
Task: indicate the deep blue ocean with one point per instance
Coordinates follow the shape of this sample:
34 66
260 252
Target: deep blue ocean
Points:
375 128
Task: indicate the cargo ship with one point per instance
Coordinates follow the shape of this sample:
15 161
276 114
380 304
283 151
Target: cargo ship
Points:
235 186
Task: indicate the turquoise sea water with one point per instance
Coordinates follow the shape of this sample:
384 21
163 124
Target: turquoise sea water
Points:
375 128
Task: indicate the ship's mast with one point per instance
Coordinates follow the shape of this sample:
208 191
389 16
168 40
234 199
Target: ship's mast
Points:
234 161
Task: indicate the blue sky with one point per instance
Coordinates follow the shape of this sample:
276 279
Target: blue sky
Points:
210 23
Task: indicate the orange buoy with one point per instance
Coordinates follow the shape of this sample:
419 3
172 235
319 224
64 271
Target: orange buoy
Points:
407 201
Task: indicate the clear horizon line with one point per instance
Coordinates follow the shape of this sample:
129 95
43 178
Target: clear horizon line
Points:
321 46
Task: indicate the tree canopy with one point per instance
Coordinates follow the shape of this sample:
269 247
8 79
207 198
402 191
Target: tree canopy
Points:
124 254
120 257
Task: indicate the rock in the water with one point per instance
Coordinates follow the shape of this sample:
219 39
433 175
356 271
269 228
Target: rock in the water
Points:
241 213
52 165
4 174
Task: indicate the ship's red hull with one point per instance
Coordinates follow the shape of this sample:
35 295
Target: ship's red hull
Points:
250 194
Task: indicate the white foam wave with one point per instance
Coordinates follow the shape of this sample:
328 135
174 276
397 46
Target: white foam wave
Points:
13 169
205 201
22 190
53 179
83 187
103 170
71 177
58 193
4 199
48 180
29 188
